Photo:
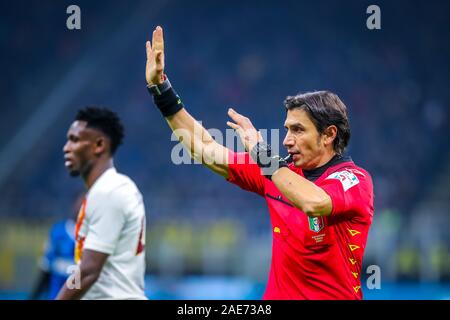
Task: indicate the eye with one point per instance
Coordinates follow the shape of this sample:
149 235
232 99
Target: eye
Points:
297 129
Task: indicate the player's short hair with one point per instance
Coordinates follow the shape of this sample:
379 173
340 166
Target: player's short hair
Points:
324 109
105 121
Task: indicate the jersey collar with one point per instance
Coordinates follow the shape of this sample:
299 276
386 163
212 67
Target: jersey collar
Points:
314 174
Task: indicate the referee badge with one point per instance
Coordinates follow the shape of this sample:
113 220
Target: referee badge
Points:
315 223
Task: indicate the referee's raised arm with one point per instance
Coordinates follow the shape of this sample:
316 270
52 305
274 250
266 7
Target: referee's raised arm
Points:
197 140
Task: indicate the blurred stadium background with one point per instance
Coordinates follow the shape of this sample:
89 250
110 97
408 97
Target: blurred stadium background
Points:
206 238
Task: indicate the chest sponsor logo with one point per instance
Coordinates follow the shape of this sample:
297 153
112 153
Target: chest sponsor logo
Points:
315 223
347 178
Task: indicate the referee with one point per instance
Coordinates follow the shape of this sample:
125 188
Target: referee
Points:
320 202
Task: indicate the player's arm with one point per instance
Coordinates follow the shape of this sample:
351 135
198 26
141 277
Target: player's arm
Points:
91 265
195 138
304 194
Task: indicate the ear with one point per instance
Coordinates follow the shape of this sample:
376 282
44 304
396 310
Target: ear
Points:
100 145
329 134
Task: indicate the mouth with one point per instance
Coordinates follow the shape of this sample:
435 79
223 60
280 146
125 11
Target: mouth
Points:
68 163
295 155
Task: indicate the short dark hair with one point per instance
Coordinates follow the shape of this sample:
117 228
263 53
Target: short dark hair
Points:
324 109
104 120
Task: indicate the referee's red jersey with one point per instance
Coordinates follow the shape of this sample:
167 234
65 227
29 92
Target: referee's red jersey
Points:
321 257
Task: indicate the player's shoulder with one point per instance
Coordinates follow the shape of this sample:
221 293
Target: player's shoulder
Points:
115 190
350 175
124 187
351 167
357 170
112 182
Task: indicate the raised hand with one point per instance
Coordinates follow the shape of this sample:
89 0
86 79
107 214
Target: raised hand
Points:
245 129
154 70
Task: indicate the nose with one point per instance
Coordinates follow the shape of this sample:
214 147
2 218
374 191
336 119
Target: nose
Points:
66 147
288 140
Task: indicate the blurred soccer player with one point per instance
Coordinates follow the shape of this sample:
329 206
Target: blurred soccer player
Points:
320 202
110 229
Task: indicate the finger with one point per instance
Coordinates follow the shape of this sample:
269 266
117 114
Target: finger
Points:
158 56
159 61
158 39
260 137
237 115
237 128
148 47
240 119
233 125
231 110
154 44
234 115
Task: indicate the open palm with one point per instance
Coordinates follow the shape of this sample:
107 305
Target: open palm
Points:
154 70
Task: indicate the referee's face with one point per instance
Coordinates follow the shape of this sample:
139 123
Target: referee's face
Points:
303 141
79 150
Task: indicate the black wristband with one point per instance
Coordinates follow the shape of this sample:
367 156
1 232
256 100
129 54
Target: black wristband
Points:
262 155
167 101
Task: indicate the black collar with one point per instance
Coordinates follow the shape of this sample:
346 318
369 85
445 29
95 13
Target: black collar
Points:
314 174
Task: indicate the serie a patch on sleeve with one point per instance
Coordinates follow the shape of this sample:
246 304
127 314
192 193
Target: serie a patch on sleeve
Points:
347 178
